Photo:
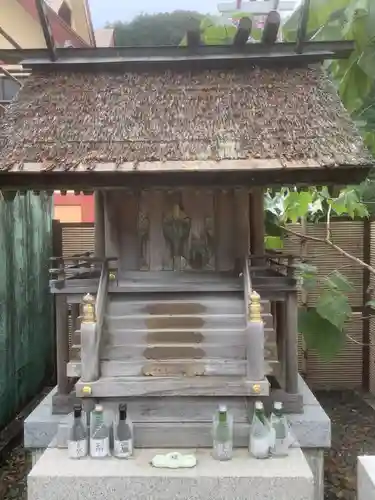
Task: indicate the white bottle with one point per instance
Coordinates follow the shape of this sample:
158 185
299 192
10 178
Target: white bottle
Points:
123 434
99 434
280 431
78 440
259 445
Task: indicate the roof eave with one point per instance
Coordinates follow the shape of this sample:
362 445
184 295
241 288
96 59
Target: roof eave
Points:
74 179
170 55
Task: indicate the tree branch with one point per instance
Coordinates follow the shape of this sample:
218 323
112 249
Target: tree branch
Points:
328 242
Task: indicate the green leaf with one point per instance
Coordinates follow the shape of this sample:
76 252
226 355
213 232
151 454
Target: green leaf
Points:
273 243
304 268
371 303
334 307
338 281
320 334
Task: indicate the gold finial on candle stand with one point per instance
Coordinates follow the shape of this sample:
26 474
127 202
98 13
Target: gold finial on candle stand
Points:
88 309
254 308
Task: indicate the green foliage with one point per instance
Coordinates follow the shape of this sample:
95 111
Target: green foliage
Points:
156 29
323 325
320 334
354 77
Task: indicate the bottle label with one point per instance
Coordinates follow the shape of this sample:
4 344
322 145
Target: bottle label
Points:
260 447
99 447
123 449
77 449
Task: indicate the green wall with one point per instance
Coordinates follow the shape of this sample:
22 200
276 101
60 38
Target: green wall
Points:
26 313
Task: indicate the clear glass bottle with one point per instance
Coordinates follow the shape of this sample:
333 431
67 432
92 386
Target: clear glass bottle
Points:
280 431
259 445
123 434
222 434
78 439
99 434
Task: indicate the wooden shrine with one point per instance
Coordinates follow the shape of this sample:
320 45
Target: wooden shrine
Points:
180 307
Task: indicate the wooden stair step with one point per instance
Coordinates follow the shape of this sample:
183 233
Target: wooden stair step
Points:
164 321
211 367
176 304
174 386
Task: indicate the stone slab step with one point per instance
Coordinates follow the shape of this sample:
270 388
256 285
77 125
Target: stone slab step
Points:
57 477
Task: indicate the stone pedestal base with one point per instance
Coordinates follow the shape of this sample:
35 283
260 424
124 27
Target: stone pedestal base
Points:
56 477
366 478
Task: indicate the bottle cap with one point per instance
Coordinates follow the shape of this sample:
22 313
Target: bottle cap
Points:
98 408
223 408
259 405
123 407
278 405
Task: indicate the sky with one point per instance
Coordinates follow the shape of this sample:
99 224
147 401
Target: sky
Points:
103 11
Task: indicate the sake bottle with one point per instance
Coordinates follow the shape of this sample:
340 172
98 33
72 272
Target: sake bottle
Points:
280 431
78 439
222 434
259 445
99 434
123 434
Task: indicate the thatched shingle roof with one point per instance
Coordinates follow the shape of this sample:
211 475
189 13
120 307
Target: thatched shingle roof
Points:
288 115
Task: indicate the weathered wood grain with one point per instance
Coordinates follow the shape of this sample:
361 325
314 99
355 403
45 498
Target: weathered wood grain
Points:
181 409
171 321
199 206
170 351
174 386
242 223
224 230
112 237
211 367
126 220
152 304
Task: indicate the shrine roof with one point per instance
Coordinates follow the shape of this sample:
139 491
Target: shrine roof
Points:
249 119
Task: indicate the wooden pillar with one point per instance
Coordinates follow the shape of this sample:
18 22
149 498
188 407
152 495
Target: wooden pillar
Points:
281 329
291 343
62 344
257 221
99 225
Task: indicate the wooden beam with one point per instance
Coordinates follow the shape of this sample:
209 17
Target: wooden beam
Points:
99 224
207 56
243 32
257 224
291 343
9 75
62 344
47 31
9 39
271 28
302 28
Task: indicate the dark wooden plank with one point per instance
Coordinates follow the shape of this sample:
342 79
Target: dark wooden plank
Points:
224 230
99 224
62 344
126 218
291 344
242 227
111 220
42 9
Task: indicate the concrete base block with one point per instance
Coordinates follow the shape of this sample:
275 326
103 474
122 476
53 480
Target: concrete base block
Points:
315 459
312 428
366 478
56 477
